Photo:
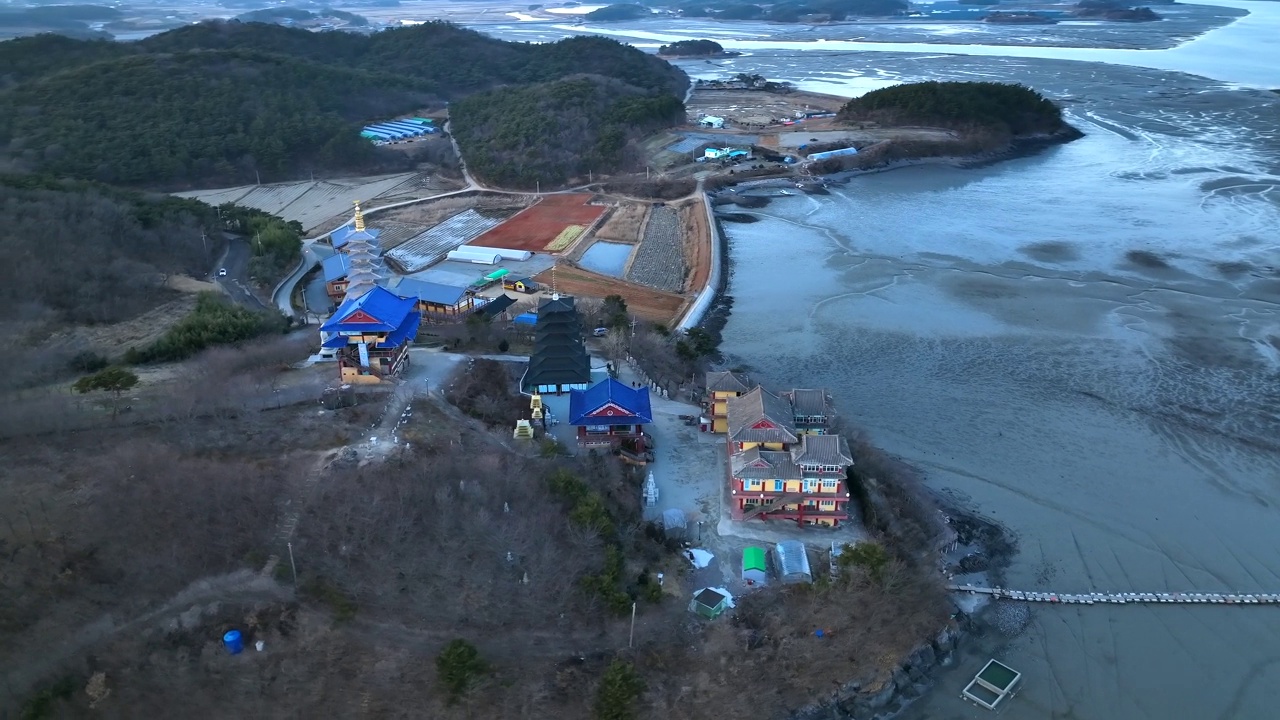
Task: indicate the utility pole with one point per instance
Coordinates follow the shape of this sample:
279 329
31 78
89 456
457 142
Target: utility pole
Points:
537 184
631 642
205 242
293 565
257 175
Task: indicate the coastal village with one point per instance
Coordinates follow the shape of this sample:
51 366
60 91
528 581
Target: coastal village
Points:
452 431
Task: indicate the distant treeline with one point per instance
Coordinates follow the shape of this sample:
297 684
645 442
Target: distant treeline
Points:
794 10
295 14
988 107
230 102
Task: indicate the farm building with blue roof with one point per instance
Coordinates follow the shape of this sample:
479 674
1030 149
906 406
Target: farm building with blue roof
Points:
437 302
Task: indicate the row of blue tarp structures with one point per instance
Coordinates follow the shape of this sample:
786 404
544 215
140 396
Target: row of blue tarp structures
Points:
398 129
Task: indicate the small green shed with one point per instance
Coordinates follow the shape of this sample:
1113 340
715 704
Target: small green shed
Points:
755 572
709 604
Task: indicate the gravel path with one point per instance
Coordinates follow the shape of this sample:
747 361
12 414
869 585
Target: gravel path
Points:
659 261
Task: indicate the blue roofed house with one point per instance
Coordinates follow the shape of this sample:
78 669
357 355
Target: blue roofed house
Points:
611 415
372 334
437 302
335 268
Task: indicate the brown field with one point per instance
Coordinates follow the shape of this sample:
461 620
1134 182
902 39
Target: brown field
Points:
697 244
624 223
646 302
535 227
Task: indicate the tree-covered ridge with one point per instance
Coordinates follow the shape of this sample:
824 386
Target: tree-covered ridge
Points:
965 106
554 132
29 57
85 253
182 118
228 103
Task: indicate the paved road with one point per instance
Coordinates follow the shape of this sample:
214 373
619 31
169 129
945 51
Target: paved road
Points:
236 283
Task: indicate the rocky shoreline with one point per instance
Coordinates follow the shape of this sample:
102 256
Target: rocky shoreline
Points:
881 698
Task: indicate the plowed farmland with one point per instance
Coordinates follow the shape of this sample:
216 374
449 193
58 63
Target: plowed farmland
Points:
537 226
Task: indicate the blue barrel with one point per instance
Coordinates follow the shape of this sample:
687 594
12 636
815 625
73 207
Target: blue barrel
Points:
233 641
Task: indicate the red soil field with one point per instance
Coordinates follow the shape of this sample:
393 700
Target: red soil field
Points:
537 225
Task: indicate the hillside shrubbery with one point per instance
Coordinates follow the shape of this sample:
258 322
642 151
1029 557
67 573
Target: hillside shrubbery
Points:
215 321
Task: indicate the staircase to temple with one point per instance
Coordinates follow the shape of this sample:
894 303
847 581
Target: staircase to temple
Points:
773 504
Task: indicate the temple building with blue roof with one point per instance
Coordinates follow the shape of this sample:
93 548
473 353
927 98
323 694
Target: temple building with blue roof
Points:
372 334
611 415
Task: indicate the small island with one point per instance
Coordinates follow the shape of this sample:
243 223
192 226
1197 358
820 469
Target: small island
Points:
1019 18
985 120
622 11
1113 10
695 49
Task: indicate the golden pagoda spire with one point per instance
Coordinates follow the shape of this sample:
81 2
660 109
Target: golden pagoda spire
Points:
359 218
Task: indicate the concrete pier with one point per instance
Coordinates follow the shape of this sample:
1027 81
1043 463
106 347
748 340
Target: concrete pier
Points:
1120 598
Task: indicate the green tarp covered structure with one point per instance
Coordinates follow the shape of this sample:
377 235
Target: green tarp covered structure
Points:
709 604
754 568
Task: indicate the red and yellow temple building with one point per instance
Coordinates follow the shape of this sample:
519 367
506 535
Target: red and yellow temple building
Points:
783 464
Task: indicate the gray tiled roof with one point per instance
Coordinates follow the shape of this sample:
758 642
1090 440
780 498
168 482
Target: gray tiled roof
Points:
809 403
822 450
754 407
759 464
727 381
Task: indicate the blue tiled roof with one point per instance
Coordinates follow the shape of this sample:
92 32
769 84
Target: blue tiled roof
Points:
337 341
430 292
407 331
633 402
385 311
342 235
335 267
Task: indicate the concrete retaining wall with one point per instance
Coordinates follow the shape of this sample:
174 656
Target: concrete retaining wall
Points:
702 304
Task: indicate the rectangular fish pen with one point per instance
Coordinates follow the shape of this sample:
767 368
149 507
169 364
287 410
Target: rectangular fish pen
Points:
992 685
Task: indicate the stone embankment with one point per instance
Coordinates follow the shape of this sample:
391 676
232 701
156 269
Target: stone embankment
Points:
659 261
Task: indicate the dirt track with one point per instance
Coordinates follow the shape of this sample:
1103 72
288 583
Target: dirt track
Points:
697 244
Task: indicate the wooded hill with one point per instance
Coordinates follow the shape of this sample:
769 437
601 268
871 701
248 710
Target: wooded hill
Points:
987 107
229 102
579 126
86 253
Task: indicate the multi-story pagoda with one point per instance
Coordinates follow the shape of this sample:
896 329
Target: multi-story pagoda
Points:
559 362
